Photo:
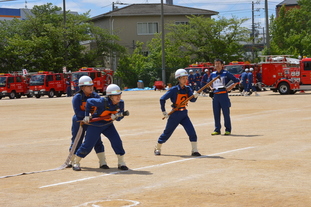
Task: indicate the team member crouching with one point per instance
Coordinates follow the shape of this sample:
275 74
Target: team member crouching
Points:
108 109
85 92
177 94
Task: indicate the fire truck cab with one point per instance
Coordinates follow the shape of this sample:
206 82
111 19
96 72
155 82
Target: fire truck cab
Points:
13 86
47 83
236 68
200 67
286 75
101 78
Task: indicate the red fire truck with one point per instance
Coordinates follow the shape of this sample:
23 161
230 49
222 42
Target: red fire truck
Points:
201 67
286 75
13 86
236 67
101 78
47 83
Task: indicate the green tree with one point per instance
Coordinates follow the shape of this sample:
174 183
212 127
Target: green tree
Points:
134 67
43 43
291 31
205 39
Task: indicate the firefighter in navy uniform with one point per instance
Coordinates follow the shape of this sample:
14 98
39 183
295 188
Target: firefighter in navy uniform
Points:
177 94
197 80
191 80
204 82
243 81
221 99
78 103
108 109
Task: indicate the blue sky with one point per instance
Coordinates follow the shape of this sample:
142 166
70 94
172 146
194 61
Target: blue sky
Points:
226 8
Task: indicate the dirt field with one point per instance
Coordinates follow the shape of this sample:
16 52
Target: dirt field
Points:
264 163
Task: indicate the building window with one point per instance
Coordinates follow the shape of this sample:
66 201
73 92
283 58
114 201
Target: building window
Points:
181 23
148 28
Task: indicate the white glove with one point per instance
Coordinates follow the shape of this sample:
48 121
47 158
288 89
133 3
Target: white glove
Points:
115 116
86 119
165 114
196 94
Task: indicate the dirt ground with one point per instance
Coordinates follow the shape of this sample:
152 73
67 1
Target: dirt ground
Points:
264 163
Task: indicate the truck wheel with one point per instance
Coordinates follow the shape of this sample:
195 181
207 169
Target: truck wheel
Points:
58 94
284 88
0 97
37 96
12 95
51 93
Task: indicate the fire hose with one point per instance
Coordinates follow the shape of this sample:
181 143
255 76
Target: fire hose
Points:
73 147
191 97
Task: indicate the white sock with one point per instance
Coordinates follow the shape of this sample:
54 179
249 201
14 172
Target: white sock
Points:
121 160
194 146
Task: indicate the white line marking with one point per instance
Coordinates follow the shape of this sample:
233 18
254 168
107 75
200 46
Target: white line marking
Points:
151 166
135 203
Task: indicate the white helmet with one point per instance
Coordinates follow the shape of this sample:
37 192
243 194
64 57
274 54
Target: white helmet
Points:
113 89
246 70
205 70
85 81
190 71
181 72
251 69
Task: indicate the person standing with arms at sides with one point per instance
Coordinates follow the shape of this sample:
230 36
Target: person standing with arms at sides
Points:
177 94
78 103
221 99
204 82
198 78
243 81
191 80
68 86
108 109
251 84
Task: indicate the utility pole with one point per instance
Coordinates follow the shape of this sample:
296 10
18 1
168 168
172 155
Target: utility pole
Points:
267 27
253 32
163 45
65 37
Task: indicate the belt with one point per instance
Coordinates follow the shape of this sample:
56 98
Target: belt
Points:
181 109
220 92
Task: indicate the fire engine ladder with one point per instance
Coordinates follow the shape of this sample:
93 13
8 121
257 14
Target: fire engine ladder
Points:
275 58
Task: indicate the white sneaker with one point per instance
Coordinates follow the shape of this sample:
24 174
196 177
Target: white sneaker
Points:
157 152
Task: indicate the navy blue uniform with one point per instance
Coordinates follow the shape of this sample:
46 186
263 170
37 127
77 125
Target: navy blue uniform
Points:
104 108
204 81
244 80
191 81
250 84
177 94
197 81
78 104
221 99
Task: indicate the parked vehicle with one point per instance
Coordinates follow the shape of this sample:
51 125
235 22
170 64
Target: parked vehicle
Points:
101 78
201 67
13 86
286 75
47 83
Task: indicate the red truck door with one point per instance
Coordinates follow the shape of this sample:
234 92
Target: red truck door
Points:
305 72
